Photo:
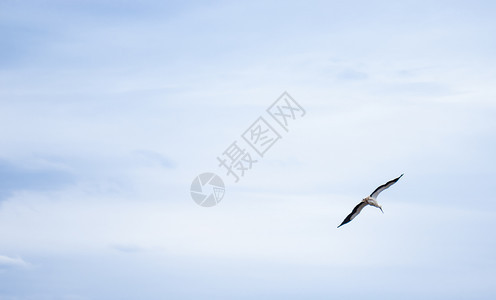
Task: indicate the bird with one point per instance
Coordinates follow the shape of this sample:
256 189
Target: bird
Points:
370 200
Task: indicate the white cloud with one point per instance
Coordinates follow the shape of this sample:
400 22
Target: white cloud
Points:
7 262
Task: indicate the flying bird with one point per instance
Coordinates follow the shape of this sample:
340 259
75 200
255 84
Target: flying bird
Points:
370 200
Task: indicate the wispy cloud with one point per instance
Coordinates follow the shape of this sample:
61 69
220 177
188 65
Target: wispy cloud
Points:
154 157
15 177
128 248
351 75
7 262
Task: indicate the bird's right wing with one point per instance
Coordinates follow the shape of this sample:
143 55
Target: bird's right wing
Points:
354 213
383 187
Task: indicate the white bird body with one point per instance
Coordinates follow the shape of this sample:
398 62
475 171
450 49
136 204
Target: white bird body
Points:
370 200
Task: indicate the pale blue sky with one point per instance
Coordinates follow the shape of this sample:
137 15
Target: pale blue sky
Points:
109 109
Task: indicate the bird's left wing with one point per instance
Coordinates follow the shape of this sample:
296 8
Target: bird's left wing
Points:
383 187
354 213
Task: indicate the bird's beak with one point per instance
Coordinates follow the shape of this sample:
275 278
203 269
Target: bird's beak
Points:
381 209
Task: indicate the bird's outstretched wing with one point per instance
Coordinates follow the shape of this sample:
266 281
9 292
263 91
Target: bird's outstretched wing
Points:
383 187
354 213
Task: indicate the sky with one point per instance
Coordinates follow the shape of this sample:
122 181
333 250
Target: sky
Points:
110 109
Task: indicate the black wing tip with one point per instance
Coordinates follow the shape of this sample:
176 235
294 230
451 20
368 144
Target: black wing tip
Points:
398 178
344 222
